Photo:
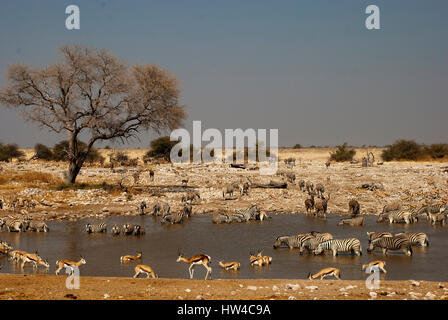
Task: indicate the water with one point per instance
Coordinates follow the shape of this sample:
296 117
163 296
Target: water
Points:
227 242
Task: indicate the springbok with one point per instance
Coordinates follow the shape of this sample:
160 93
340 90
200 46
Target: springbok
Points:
377 263
128 258
141 268
69 264
197 259
234 265
326 272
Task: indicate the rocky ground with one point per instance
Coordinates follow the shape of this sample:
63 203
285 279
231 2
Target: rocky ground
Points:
98 194
50 287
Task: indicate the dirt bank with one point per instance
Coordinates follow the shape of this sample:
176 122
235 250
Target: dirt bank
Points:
30 287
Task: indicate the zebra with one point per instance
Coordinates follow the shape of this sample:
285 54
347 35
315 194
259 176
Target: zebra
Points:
220 218
156 209
39 226
310 244
393 206
391 243
376 235
320 206
142 208
173 218
138 230
302 185
340 245
98 227
309 186
320 189
292 242
128 228
415 238
435 208
353 207
115 230
397 216
309 203
354 222
244 188
228 190
13 224
187 210
437 217
190 197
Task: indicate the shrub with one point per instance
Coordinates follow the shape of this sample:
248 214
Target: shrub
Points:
403 150
43 152
342 153
437 150
10 151
160 148
297 146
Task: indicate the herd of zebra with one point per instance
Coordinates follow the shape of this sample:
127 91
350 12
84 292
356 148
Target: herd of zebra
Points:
21 223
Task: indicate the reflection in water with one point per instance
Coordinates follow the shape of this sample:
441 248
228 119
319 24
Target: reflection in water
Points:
232 242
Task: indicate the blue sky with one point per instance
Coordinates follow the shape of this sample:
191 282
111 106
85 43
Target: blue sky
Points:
309 68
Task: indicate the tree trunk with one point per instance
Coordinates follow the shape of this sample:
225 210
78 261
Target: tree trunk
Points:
73 171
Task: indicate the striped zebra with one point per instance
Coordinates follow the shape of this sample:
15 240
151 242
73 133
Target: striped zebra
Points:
321 237
434 208
310 244
13 224
39 226
391 243
397 216
376 235
98 227
416 238
352 245
294 241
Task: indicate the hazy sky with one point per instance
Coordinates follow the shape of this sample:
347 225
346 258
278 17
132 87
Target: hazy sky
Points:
309 68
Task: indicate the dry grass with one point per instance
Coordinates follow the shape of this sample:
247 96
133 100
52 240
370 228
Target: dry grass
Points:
29 178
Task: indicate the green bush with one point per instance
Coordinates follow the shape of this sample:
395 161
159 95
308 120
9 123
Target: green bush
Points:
403 150
342 153
42 152
10 151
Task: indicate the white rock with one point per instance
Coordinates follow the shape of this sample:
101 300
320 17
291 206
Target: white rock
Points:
254 288
430 296
292 286
187 290
106 296
312 287
415 283
291 298
373 294
275 288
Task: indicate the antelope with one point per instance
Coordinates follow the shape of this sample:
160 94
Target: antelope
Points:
16 255
129 258
69 264
35 259
266 259
326 272
141 268
197 259
377 263
256 260
230 265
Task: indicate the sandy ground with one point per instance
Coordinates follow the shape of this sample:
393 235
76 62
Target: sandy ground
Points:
31 287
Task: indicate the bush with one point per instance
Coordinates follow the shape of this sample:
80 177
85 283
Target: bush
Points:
437 150
403 150
160 148
342 153
42 152
10 151
297 146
